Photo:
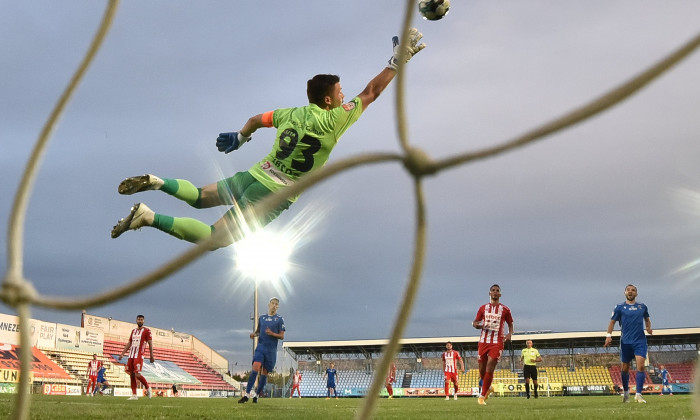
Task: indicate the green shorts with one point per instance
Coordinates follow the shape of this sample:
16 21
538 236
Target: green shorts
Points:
243 189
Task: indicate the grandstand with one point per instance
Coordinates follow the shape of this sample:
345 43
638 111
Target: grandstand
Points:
62 352
314 385
574 364
208 378
75 363
681 372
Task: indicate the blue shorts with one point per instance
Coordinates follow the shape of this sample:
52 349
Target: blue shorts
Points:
330 385
628 351
267 358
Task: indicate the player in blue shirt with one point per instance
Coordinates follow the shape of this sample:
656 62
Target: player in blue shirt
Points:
330 384
633 317
665 378
265 357
101 380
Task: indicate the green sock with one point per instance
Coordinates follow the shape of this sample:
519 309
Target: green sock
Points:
182 189
188 229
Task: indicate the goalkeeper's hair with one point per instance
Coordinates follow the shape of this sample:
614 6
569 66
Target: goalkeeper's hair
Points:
319 87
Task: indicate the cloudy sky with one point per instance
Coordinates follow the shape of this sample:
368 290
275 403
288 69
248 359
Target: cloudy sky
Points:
562 225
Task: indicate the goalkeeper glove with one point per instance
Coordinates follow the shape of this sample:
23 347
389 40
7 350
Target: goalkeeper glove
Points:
408 51
228 142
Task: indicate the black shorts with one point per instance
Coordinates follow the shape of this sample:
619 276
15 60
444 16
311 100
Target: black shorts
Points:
530 372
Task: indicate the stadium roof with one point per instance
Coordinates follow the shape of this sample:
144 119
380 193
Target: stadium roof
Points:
688 338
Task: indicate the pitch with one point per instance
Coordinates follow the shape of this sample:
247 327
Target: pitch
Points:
61 407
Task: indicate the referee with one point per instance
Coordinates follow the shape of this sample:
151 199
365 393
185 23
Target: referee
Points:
530 357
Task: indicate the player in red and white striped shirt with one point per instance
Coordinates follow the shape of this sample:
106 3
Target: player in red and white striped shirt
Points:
490 319
449 366
390 379
296 383
94 366
136 346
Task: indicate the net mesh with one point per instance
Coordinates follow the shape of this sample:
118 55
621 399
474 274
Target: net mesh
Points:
19 293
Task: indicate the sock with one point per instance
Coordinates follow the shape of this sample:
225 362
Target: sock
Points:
143 380
534 386
456 387
641 376
183 190
390 390
527 389
625 376
328 392
261 384
488 378
185 228
447 388
251 381
133 385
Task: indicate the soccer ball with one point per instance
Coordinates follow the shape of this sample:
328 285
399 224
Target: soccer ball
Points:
433 9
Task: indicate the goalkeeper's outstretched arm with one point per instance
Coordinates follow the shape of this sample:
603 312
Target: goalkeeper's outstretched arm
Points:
400 56
252 125
228 142
376 86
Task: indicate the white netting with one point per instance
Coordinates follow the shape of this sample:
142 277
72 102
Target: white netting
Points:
19 293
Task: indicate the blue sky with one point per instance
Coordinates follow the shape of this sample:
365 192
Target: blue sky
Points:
562 225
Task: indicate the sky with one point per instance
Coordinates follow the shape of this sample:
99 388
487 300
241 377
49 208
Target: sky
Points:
562 225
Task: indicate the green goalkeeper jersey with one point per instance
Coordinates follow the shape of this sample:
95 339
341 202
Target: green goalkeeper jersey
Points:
305 138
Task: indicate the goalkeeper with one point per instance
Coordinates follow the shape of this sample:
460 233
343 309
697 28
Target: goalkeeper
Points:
305 137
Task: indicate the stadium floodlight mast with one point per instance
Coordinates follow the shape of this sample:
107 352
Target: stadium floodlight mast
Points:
262 256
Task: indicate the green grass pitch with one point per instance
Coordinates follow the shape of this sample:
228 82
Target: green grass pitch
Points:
569 408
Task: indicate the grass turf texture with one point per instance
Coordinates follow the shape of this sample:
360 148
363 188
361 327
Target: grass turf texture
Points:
84 408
